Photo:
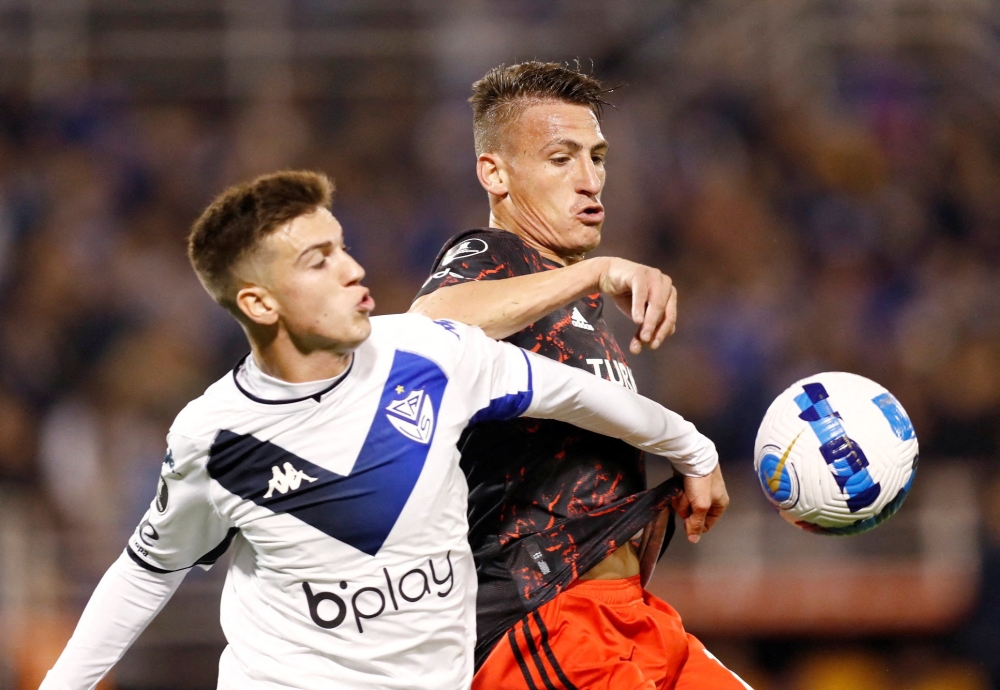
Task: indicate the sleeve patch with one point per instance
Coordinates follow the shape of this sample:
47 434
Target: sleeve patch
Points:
464 250
482 254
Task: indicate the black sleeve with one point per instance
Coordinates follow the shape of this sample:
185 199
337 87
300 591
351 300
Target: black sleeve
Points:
477 255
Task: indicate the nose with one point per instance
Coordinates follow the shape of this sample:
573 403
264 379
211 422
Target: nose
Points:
354 271
589 182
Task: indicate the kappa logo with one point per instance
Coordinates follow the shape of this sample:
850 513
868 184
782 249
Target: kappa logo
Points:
413 416
581 322
464 250
289 481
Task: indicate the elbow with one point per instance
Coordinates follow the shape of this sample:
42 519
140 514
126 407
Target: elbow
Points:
419 306
432 308
440 304
436 306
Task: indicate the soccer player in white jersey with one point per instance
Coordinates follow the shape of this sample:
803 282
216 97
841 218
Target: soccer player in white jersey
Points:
327 462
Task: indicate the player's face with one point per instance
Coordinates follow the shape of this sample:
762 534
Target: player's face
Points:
555 164
315 284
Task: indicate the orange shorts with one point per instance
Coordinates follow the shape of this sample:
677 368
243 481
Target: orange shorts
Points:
603 635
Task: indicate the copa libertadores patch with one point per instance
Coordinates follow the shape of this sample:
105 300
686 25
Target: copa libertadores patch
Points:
162 494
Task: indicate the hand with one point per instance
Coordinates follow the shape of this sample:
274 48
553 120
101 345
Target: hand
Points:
646 295
702 503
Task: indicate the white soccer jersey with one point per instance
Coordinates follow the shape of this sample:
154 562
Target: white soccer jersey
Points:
346 509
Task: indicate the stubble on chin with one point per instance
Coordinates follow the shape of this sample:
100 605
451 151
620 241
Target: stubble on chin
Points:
588 238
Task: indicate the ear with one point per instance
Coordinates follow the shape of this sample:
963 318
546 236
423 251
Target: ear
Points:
491 169
258 305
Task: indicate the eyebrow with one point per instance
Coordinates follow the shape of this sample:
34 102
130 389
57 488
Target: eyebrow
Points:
576 146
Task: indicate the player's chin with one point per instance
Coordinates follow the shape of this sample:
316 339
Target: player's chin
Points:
362 327
586 236
348 336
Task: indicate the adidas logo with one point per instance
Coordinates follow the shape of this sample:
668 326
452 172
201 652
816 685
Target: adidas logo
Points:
581 322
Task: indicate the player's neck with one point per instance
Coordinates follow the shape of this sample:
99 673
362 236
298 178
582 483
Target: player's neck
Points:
510 226
282 360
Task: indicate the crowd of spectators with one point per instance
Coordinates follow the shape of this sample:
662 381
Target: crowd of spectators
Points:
861 234
863 239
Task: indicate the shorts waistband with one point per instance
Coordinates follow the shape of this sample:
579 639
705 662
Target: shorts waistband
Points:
622 591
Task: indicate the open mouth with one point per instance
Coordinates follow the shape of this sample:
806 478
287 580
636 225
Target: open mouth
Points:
591 214
366 303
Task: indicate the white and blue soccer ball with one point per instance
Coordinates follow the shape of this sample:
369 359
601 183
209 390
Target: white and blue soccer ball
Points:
836 454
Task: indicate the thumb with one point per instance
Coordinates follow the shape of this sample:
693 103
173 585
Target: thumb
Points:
639 287
694 524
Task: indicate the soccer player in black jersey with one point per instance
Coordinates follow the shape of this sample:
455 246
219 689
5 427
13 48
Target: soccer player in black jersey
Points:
553 509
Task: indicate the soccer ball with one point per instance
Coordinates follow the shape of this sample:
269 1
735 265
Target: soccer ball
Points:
836 454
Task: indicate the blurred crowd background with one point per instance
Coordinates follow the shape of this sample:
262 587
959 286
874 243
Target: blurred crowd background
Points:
821 179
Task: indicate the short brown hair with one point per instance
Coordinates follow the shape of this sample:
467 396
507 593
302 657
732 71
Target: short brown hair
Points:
244 214
503 94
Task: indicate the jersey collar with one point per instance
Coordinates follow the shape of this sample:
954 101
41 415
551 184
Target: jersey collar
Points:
317 396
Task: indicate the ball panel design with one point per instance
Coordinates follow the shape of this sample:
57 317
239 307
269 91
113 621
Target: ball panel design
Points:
777 477
836 454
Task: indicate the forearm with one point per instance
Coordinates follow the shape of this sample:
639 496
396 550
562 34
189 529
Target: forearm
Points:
589 402
504 307
125 601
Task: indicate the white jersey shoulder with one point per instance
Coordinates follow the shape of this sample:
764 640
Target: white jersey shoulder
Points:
214 409
442 340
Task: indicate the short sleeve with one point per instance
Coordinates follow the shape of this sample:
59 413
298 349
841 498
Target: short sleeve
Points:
182 528
477 255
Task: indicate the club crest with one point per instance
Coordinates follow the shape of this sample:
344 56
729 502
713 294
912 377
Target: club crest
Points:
412 416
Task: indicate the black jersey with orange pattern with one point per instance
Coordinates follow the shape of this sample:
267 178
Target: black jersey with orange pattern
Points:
547 500
576 334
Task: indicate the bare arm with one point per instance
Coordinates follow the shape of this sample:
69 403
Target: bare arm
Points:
504 307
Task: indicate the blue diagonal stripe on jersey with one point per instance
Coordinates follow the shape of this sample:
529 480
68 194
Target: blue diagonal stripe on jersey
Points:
361 508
